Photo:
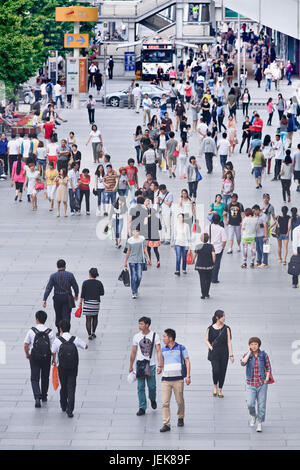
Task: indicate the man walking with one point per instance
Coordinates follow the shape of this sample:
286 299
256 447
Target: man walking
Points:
4 152
258 371
261 236
176 366
66 347
110 67
130 94
37 347
164 203
63 282
143 351
233 218
147 103
279 151
209 149
137 95
136 256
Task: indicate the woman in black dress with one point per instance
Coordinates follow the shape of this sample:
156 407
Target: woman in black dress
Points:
206 258
153 224
90 301
218 340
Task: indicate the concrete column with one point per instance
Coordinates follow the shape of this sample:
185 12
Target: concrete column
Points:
76 56
179 26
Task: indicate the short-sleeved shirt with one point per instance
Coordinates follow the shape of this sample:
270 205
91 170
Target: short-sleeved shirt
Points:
219 209
173 359
95 136
234 212
204 256
57 343
131 174
296 161
262 219
171 147
136 247
110 180
85 179
74 176
166 124
144 344
29 338
48 126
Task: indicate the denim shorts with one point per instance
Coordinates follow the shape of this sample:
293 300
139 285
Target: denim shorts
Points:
257 171
282 236
41 162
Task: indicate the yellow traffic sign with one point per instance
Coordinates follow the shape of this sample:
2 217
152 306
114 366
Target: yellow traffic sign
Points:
76 14
76 40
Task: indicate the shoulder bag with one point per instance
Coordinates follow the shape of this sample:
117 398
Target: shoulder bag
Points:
70 296
143 367
183 364
210 351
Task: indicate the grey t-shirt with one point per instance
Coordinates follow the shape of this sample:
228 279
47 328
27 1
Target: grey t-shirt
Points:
296 160
171 147
136 247
269 211
262 219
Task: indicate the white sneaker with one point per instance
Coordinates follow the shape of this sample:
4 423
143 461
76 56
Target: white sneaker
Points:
252 421
229 252
239 249
134 296
259 428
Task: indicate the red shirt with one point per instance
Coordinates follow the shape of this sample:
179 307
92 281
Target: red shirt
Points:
258 125
85 179
48 126
131 173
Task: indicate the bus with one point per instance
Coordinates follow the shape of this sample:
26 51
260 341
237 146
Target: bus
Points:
154 55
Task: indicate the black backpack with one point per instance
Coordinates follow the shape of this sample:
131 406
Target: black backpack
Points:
68 354
41 344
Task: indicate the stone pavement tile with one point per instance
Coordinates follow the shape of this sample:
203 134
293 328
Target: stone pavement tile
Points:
16 442
53 442
21 446
197 445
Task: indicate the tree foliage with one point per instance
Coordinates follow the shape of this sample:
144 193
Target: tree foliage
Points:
28 31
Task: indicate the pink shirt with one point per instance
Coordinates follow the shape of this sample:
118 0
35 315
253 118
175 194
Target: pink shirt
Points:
270 108
18 178
173 73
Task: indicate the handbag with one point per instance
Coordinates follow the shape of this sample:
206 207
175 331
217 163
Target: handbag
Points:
143 367
198 175
55 380
125 278
78 312
266 248
294 266
39 186
210 351
183 364
70 296
189 258
275 231
175 153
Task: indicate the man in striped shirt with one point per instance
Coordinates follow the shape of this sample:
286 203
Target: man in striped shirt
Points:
258 371
174 358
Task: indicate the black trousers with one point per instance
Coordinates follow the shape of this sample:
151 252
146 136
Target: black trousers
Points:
86 194
67 379
4 157
220 123
205 281
209 161
110 72
62 309
12 159
277 168
245 138
245 109
91 113
40 371
61 164
216 268
286 188
219 364
193 185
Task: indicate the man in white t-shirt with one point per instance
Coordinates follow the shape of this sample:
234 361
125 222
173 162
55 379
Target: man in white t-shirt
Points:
73 177
147 103
13 149
137 95
278 151
202 129
223 149
58 92
218 238
44 93
296 167
144 347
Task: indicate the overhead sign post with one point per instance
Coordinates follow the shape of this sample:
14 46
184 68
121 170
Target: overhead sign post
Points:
77 69
76 41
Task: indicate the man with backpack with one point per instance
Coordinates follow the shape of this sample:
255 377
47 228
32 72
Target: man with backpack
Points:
65 346
49 89
37 347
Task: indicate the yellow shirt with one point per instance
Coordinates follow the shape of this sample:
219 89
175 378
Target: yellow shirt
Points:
51 175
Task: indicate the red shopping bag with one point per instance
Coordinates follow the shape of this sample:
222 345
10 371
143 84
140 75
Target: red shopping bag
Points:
78 312
189 258
55 380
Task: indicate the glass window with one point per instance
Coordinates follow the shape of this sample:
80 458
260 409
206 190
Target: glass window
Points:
155 56
197 13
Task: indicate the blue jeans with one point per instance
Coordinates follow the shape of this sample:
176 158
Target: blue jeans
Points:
135 276
181 252
122 192
260 251
268 84
226 198
151 383
100 194
258 394
283 137
60 99
223 160
77 194
109 197
288 77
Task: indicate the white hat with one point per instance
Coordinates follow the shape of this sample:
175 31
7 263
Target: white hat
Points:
131 377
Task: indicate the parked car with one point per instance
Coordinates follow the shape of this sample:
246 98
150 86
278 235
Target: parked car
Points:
154 92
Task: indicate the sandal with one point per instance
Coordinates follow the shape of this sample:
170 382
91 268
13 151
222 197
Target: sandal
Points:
220 395
279 260
284 263
244 265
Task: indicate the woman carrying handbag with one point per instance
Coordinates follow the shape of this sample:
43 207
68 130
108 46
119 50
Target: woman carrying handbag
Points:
91 291
218 340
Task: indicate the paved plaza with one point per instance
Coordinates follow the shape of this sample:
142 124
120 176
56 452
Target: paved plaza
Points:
257 302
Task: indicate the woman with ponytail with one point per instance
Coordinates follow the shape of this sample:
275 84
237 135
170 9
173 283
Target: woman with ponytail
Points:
218 340
18 177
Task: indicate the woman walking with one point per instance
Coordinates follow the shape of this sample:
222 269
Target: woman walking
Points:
231 100
99 188
32 177
51 174
217 207
91 106
245 100
18 177
97 143
249 226
286 174
62 191
136 255
205 107
283 126
181 243
268 151
153 226
193 177
188 94
195 112
179 112
258 75
183 150
52 149
117 223
84 189
284 224
227 188
221 116
231 135
270 110
258 161
91 291
137 143
218 339
173 96
281 106
246 134
206 258
41 159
